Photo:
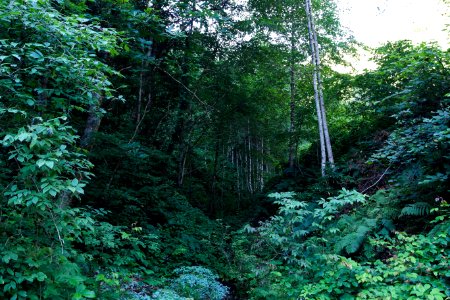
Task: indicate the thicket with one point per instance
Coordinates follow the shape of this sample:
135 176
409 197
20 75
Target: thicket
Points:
146 153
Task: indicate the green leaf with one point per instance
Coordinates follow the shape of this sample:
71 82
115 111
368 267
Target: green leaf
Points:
36 54
23 136
89 294
9 256
50 164
125 235
74 182
77 296
41 276
33 143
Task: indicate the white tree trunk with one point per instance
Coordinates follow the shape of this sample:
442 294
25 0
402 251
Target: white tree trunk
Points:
321 98
325 142
292 103
262 164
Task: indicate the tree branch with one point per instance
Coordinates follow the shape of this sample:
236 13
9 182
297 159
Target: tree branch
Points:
381 177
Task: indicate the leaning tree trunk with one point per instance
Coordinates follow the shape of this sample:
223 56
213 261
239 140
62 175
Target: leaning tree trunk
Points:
321 98
323 154
325 143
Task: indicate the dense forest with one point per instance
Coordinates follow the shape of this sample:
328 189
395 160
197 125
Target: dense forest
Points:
210 149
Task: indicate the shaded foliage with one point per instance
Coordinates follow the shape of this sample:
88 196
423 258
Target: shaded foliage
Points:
132 158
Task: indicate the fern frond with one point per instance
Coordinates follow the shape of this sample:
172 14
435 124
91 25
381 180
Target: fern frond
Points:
416 209
385 205
352 242
388 224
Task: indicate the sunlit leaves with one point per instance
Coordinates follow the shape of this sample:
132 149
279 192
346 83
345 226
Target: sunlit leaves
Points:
42 151
56 62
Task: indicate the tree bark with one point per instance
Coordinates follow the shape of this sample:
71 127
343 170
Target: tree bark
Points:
250 166
325 143
42 99
93 121
214 177
92 125
142 91
179 139
292 107
238 181
321 98
262 165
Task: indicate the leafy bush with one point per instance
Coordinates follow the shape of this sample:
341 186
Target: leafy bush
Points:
415 268
166 295
42 235
198 283
298 253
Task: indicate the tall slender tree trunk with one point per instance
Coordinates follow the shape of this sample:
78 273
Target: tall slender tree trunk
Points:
325 142
250 165
215 175
184 108
238 166
145 63
292 106
321 98
323 154
262 165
